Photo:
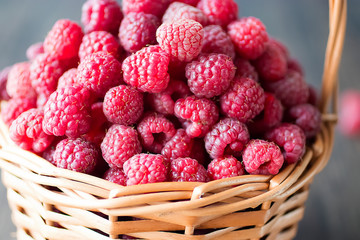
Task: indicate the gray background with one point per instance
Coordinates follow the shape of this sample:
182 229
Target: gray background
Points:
332 210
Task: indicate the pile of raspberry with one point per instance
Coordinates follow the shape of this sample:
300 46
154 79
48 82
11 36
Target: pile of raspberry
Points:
161 90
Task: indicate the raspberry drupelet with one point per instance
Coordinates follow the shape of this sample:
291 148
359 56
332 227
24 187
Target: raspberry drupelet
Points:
219 12
19 82
179 145
187 170
225 167
115 175
216 40
178 10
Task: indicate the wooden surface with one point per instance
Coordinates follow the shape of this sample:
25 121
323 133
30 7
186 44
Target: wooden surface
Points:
332 210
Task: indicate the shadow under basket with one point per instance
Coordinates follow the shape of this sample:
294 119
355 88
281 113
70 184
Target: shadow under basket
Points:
53 203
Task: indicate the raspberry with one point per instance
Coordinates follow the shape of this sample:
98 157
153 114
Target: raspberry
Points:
227 137
210 75
77 155
225 167
115 175
200 114
155 130
99 41
101 15
3 81
187 170
99 124
123 105
64 39
216 40
99 72
349 114
48 154
147 69
307 117
19 82
14 107
189 2
68 78
243 100
281 46
249 37
120 143
244 69
138 30
34 50
313 95
181 39
178 146
262 157
294 64
155 7
146 168
291 139
219 12
178 10
67 112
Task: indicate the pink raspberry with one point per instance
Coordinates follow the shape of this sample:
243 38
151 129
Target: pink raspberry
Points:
101 15
262 157
155 7
146 168
225 167
210 75
3 81
115 175
26 131
243 100
219 12
77 155
187 170
244 69
67 112
189 2
179 10
227 137
64 39
249 37
19 82
349 114
14 107
182 38
216 40
294 64
147 69
179 145
99 124
200 114
120 143
138 30
155 130
68 78
123 105
99 72
34 50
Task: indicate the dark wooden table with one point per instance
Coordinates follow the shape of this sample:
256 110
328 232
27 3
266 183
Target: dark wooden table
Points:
332 210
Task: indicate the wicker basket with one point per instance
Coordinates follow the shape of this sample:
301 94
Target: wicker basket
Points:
53 203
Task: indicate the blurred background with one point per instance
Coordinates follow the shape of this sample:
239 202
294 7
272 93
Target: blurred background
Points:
332 210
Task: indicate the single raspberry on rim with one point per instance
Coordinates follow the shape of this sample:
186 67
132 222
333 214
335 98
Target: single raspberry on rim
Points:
187 170
155 7
14 107
245 69
219 12
19 82
115 175
179 10
34 50
216 40
179 145
68 78
225 167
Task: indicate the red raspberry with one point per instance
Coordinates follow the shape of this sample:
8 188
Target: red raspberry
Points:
67 112
146 168
120 143
227 137
34 50
147 69
244 69
155 7
115 175
249 37
210 75
187 170
200 114
262 157
19 82
68 78
313 95
178 10
349 114
101 15
123 105
77 155
243 100
155 130
99 124
281 46
48 154
3 81
99 72
216 40
181 39
138 30
225 167
294 64
14 107
219 12
64 39
179 145
189 2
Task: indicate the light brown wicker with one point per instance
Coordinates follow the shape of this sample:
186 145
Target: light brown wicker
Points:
52 203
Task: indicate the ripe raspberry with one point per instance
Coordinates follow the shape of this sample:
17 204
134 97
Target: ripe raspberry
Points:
155 130
68 78
99 72
210 75
48 154
219 12
281 46
138 30
99 124
19 82
349 114
225 167
14 107
77 155
123 105
34 50
313 95
64 39
146 168
294 64
115 175
101 15
155 7
249 37
187 170
178 10
227 137
181 39
244 69
3 81
67 112
147 69
216 40
262 157
120 143
200 114
243 100
178 146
